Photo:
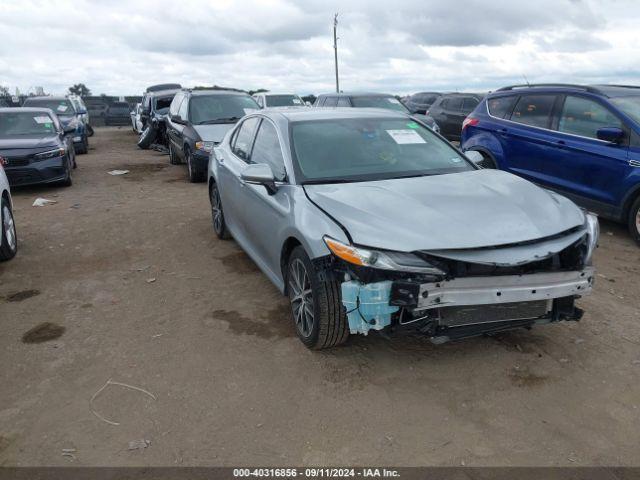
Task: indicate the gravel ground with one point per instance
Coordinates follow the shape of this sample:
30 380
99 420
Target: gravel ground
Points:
137 290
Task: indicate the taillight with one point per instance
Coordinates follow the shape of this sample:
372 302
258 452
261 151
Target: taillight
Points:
469 122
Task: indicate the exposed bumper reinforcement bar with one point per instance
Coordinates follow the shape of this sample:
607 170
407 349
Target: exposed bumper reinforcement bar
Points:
505 289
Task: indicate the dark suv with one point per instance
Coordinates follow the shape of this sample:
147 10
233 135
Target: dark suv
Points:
581 141
420 102
198 120
450 110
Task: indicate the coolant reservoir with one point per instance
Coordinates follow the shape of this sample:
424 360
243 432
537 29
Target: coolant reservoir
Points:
367 305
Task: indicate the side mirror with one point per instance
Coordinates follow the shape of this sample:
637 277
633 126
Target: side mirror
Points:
68 129
419 111
475 156
260 174
610 134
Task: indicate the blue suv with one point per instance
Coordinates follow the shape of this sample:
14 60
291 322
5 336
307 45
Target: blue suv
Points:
581 141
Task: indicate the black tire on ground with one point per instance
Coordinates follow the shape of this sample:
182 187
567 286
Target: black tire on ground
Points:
90 131
8 236
327 326
194 175
74 164
634 220
147 137
68 181
217 214
488 161
84 148
173 158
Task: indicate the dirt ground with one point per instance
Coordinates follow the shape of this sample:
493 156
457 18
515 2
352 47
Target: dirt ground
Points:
138 290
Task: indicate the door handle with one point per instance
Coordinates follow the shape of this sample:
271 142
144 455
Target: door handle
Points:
561 144
503 131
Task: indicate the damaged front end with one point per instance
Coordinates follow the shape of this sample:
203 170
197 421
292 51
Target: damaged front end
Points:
457 293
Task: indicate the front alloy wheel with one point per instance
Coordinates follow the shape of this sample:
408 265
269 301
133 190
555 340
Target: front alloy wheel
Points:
301 297
634 220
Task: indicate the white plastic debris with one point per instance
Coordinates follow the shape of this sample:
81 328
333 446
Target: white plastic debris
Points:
41 202
139 444
118 172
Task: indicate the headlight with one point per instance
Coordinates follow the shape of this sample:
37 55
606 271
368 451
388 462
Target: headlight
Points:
593 229
204 146
56 152
397 261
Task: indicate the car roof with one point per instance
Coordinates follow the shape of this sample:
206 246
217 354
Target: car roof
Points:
214 91
163 93
25 109
306 114
355 94
603 90
47 97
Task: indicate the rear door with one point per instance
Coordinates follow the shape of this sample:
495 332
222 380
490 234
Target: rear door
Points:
530 149
172 132
448 117
590 170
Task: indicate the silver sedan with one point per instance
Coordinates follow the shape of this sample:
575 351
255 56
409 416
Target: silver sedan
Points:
369 221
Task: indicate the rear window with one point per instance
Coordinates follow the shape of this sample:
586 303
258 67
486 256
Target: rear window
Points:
388 103
453 103
501 107
25 123
534 110
469 103
284 101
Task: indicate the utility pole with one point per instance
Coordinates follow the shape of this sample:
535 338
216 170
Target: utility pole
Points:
335 49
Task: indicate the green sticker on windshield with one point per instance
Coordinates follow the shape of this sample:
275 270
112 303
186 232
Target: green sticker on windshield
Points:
413 125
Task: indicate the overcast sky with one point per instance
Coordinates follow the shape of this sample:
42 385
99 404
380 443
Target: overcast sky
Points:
119 47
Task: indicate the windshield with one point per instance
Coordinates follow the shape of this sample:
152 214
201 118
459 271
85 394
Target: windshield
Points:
60 107
388 103
361 149
284 101
220 108
162 103
629 105
25 123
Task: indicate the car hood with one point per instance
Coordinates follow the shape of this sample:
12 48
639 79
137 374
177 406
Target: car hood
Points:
19 143
473 209
214 132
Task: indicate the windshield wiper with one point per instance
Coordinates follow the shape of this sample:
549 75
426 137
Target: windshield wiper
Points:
412 175
219 120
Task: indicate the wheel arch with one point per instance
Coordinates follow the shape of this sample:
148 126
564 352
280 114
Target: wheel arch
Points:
629 200
287 247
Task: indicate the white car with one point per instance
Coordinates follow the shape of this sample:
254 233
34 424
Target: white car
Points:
136 121
286 100
8 238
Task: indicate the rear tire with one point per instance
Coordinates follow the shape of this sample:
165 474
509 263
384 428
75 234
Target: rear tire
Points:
8 236
634 220
317 312
68 181
217 214
488 162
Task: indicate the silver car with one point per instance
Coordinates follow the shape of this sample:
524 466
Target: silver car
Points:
8 238
368 220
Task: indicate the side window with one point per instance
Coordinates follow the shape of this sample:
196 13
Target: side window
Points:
501 107
266 149
344 102
175 105
443 104
584 117
183 111
454 104
331 102
244 138
469 103
534 110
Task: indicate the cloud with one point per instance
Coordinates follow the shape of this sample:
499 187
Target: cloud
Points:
120 47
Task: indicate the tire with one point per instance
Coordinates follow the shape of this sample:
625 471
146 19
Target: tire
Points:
317 312
147 137
85 146
75 164
488 161
634 220
8 236
68 181
217 214
90 131
173 158
194 176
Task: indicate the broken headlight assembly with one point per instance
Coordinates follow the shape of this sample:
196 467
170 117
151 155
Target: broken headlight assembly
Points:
384 260
593 230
